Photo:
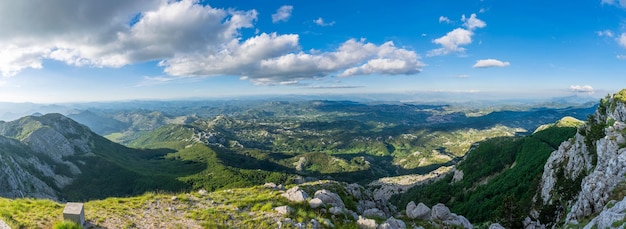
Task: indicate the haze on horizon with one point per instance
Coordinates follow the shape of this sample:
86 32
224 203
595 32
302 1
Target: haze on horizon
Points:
80 51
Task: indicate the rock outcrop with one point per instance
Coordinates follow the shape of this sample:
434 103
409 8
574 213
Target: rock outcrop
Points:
34 152
611 217
328 197
295 194
584 171
438 214
419 211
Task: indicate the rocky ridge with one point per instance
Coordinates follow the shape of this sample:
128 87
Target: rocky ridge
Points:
33 155
582 174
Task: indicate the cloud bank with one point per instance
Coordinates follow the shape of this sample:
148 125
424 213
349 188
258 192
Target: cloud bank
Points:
184 37
581 89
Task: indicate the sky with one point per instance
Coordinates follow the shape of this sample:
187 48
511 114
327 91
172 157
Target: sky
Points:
88 50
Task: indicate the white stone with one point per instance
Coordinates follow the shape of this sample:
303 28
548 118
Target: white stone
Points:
365 223
316 203
74 212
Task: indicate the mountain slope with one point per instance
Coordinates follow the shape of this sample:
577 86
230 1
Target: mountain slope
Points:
61 159
497 179
580 178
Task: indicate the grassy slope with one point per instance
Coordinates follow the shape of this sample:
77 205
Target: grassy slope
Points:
232 208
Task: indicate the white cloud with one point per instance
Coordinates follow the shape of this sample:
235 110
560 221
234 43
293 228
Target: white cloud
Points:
85 33
270 59
452 41
282 14
187 38
487 63
581 89
622 40
464 76
605 33
443 19
621 57
458 37
472 22
320 21
621 3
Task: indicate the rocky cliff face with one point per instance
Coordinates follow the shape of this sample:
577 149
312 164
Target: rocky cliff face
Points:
34 154
579 178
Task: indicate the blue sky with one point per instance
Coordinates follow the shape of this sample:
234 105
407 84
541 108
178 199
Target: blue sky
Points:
75 51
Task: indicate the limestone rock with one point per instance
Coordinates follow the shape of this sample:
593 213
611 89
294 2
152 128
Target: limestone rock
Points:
329 197
3 225
609 216
421 211
392 223
335 210
374 212
283 210
496 226
363 205
354 190
458 176
530 224
365 223
440 212
270 185
295 194
458 220
316 203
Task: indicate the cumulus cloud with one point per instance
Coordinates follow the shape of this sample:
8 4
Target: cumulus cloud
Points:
270 58
454 40
472 22
70 34
605 33
282 14
185 37
320 21
487 63
581 89
443 19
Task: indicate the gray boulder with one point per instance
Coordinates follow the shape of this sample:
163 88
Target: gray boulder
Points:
458 220
374 212
392 223
496 226
335 210
329 197
440 212
421 211
363 205
295 194
354 190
